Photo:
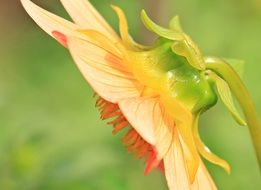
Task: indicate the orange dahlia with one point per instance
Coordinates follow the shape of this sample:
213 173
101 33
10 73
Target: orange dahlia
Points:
158 92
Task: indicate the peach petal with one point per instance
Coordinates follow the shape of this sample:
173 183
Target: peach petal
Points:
176 170
139 112
49 22
86 16
110 79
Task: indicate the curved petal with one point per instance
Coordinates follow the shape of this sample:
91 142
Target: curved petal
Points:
85 15
50 22
206 153
123 24
104 71
124 31
139 112
164 32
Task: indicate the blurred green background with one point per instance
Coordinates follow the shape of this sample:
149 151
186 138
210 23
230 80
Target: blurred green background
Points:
51 136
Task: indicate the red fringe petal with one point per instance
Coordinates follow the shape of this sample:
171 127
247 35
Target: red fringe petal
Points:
132 140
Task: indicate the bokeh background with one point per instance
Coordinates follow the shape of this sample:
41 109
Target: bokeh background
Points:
51 136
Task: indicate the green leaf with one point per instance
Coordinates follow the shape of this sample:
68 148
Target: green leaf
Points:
163 32
238 65
226 96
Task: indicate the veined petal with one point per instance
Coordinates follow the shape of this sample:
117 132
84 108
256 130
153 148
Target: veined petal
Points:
164 127
183 121
102 41
104 71
85 15
139 112
50 22
203 180
156 126
176 170
190 150
175 167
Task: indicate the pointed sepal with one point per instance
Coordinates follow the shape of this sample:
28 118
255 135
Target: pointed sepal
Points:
163 32
174 24
226 97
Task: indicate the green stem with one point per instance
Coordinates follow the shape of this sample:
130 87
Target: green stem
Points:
239 90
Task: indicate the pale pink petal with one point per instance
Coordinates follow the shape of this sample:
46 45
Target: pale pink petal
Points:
139 112
50 22
203 180
175 167
85 15
176 170
104 71
164 130
150 121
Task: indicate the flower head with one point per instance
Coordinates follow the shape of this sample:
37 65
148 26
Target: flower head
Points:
157 91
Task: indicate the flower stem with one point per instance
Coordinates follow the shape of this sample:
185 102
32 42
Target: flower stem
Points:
239 90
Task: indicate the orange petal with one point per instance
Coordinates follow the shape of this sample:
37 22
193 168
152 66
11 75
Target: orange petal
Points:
85 15
139 112
104 71
123 24
189 148
50 22
124 31
152 162
207 154
60 38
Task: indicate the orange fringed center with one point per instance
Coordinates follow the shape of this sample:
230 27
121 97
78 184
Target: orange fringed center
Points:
132 140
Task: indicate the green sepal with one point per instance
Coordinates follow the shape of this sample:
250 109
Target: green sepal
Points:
190 51
174 24
163 32
237 65
226 97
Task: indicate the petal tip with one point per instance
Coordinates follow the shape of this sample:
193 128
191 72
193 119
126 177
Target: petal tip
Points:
60 37
114 6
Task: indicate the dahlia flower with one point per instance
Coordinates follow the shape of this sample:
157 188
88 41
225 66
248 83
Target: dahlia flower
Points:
158 92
